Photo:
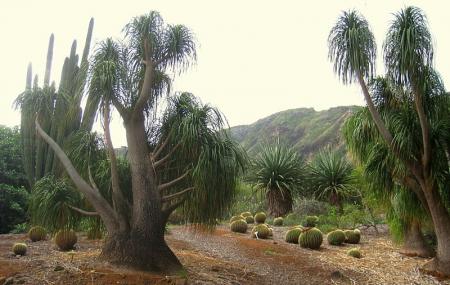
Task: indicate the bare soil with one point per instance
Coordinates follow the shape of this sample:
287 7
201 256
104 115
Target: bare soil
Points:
219 257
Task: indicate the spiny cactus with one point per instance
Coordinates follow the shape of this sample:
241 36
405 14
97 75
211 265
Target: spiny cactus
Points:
260 217
249 219
352 236
278 221
66 239
270 231
292 235
336 237
37 233
239 226
311 238
296 227
354 252
246 214
260 231
19 249
235 218
311 221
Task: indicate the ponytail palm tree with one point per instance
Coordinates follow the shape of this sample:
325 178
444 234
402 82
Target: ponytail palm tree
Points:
279 172
189 161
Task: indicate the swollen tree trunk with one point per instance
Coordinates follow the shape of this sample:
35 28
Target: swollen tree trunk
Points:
414 243
143 247
279 203
441 220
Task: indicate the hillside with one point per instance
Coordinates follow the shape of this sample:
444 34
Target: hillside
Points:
305 129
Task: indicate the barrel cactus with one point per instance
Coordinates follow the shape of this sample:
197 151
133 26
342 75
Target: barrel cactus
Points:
246 214
270 232
19 249
296 227
249 219
235 218
354 252
336 237
239 226
260 231
278 221
311 221
66 239
311 238
260 217
352 236
37 233
292 235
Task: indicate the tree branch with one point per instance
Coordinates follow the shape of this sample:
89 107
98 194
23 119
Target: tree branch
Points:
97 201
166 157
176 195
83 212
173 182
167 211
425 130
161 147
148 80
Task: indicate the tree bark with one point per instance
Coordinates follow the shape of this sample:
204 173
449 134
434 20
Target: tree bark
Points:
279 203
414 243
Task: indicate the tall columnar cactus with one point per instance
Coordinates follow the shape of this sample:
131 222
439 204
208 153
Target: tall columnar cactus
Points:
336 237
260 231
66 239
239 226
311 238
278 221
292 235
260 217
37 233
352 236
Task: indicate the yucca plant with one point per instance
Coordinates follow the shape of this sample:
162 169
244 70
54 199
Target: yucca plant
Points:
278 171
331 177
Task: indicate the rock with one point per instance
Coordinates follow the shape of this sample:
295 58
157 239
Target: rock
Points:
9 281
58 268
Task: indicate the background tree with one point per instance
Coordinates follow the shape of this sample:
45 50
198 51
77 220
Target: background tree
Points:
210 171
279 172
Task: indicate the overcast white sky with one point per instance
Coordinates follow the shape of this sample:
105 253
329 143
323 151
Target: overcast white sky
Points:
255 58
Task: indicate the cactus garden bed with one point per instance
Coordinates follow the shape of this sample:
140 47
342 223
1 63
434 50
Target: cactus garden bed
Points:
220 257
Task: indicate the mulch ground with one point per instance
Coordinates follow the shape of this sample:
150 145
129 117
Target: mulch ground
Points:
219 257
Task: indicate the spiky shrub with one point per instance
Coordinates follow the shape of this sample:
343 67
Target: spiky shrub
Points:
239 226
278 221
246 214
352 236
311 238
65 239
37 233
260 217
249 219
235 218
311 221
336 237
292 235
261 231
354 252
19 249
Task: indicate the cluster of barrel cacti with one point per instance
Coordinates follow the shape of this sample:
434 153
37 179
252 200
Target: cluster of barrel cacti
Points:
352 236
66 239
238 226
310 238
260 217
278 221
37 233
336 237
293 234
311 221
19 249
261 231
248 217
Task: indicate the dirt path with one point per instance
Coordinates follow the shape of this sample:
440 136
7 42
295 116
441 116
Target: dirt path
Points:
220 257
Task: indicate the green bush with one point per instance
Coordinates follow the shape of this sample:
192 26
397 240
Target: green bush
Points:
246 200
278 221
292 235
19 249
37 233
13 207
20 228
261 231
249 219
311 221
336 237
260 217
311 238
66 239
239 226
354 252
352 236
